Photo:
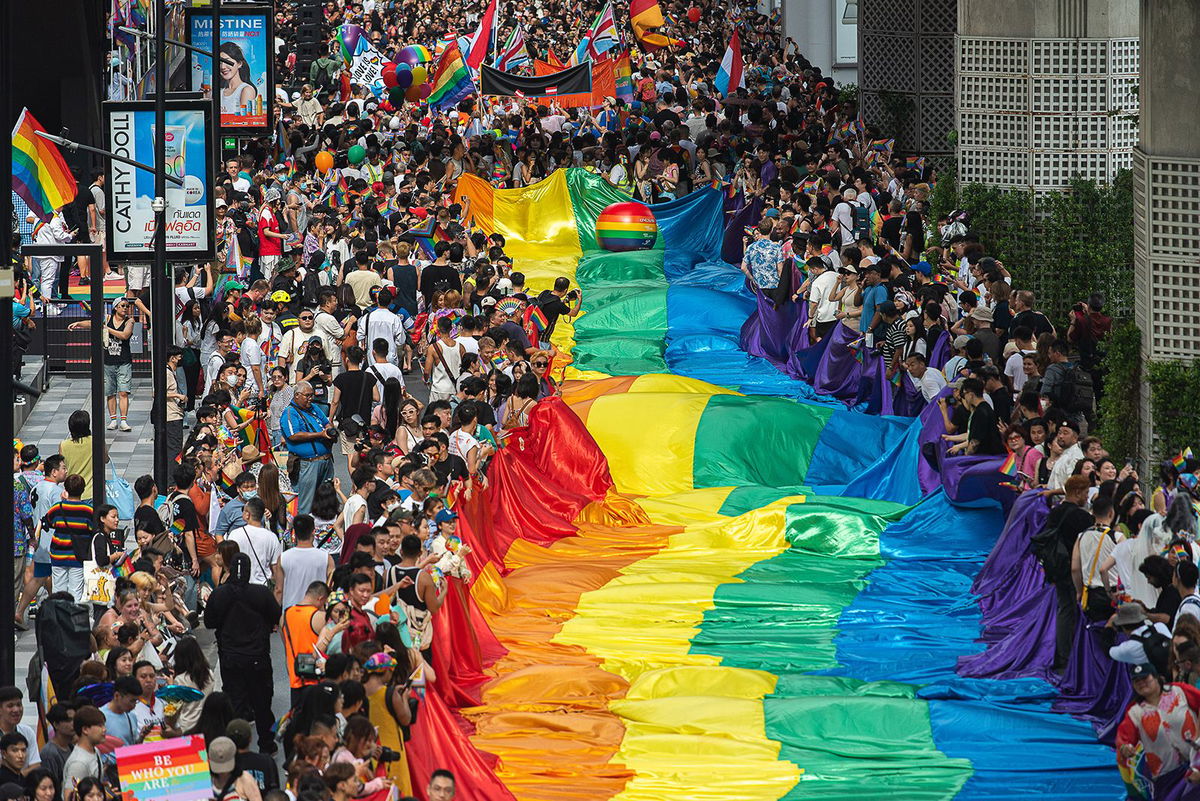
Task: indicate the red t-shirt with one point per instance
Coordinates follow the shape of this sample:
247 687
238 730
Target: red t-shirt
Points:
268 246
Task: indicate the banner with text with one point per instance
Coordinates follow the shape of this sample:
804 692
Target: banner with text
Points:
189 216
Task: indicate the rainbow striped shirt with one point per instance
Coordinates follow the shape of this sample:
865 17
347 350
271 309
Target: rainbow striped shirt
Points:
66 518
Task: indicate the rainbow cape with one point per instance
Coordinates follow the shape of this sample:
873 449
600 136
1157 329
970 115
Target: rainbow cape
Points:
694 579
39 173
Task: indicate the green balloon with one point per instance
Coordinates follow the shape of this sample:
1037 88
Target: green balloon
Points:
356 154
396 96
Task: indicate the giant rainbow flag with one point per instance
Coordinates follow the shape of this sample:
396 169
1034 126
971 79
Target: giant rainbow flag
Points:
696 580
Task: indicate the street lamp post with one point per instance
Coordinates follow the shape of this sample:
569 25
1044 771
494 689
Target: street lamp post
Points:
160 282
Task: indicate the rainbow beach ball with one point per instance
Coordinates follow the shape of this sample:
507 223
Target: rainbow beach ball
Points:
626 226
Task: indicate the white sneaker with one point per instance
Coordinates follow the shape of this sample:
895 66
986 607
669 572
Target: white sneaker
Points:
112 424
124 426
112 276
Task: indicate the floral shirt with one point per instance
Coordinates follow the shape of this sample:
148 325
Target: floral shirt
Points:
762 258
22 514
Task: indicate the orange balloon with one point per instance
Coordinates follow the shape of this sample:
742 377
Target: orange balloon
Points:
419 74
413 93
324 161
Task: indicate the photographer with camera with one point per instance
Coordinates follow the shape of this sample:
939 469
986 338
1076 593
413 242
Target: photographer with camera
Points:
355 392
309 438
555 303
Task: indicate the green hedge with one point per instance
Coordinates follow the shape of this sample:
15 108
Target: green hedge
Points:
1120 406
1174 387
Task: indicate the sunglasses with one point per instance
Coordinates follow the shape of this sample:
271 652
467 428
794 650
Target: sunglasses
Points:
541 364
306 317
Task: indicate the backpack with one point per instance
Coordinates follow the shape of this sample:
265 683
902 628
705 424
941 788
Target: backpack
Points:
1077 392
862 222
1156 645
1052 554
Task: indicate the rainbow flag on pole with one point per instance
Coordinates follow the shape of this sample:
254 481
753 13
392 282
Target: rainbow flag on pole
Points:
451 79
40 175
1181 458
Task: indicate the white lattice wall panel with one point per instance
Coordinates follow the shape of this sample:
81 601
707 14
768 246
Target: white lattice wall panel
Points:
894 16
936 120
896 60
1069 132
993 56
982 129
1074 95
1057 169
1069 57
994 167
1064 94
1009 93
1166 196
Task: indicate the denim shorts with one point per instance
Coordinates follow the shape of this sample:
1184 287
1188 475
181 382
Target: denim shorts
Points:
117 378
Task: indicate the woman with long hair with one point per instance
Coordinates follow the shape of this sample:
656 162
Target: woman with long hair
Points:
191 323
315 368
237 87
119 662
400 417
276 505
192 670
327 519
323 700
386 683
41 785
215 713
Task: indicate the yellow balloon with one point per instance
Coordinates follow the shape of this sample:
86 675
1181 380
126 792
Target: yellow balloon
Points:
420 74
324 161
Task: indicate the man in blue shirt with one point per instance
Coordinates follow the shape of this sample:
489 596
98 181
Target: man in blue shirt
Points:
118 713
309 438
874 293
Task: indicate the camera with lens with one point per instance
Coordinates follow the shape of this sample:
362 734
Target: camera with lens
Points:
388 755
573 294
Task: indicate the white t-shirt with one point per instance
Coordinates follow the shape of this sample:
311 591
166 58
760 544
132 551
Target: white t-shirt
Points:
331 333
385 370
461 443
844 214
1014 368
301 567
930 384
250 352
821 293
263 548
470 344
353 504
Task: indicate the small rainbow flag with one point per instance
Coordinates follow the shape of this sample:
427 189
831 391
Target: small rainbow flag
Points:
123 569
451 79
1009 468
1181 458
40 175
915 163
535 317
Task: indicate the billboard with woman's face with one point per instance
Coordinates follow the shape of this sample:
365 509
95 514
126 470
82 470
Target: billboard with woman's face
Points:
244 74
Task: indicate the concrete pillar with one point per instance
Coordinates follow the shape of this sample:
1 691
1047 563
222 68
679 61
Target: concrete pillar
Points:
1166 189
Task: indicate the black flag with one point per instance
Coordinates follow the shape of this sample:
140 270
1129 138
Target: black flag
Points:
571 81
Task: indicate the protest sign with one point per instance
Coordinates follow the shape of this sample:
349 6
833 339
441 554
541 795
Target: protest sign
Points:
166 770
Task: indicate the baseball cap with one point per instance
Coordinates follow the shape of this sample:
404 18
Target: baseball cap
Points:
445 516
488 300
238 730
774 213
220 204
1142 671
222 755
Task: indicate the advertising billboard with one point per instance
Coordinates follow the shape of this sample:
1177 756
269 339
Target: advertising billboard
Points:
244 76
130 132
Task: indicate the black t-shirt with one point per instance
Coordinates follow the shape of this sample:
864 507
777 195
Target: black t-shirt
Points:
1070 520
375 499
261 768
981 427
117 352
439 276
183 512
355 386
553 307
452 468
890 231
1002 403
484 413
145 518
667 115
959 418
1168 601
1036 321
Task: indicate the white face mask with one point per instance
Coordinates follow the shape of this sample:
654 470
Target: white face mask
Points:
231 380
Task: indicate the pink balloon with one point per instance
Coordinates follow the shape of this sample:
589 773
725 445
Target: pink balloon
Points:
426 90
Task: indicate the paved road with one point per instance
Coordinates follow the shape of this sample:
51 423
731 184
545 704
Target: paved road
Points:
132 455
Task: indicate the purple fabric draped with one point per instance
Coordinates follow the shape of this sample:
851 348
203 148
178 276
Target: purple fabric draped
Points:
839 371
767 332
941 351
909 400
734 244
873 387
1093 686
932 428
1175 787
1017 604
970 478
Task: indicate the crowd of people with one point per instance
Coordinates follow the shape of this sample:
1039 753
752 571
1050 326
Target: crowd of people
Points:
314 486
